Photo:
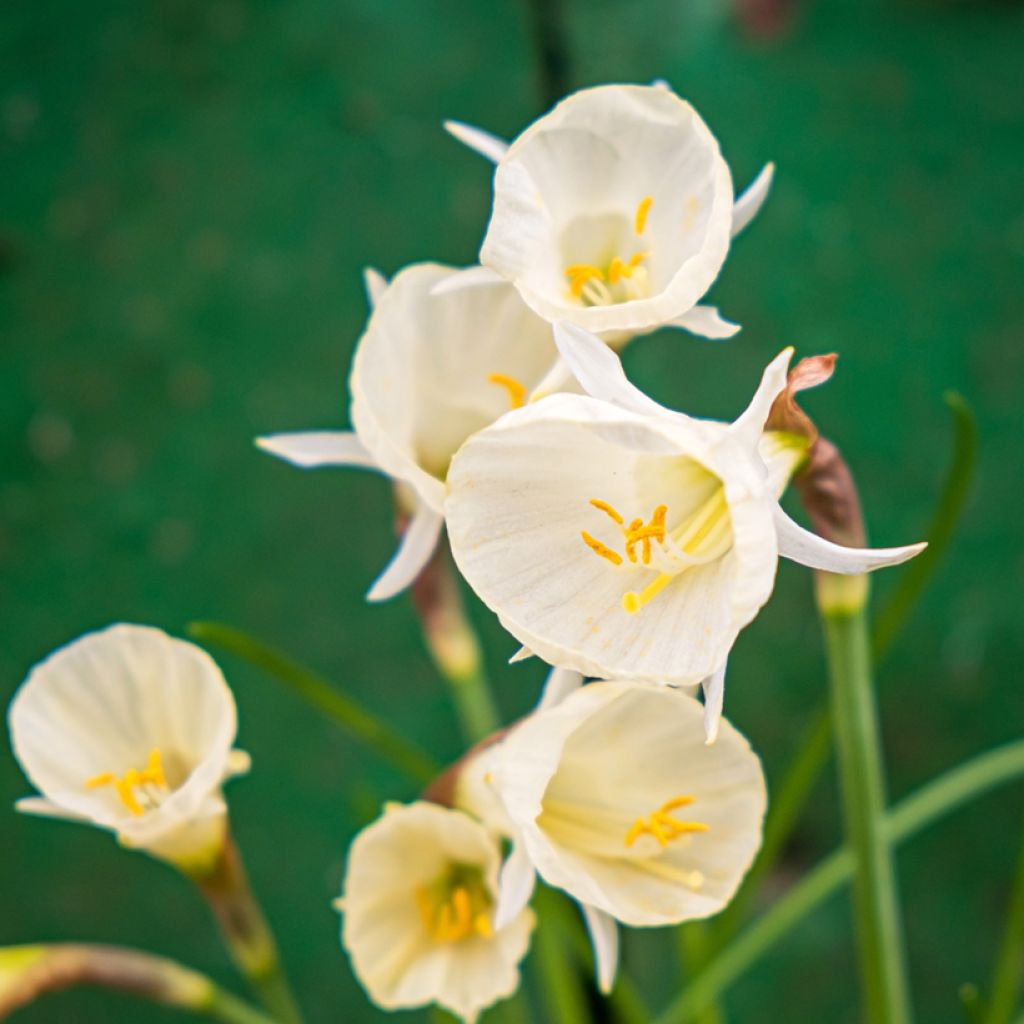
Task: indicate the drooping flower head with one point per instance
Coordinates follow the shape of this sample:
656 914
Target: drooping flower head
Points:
429 371
614 211
621 539
131 730
613 796
418 901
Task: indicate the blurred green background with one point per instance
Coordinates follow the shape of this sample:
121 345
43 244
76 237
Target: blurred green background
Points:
188 191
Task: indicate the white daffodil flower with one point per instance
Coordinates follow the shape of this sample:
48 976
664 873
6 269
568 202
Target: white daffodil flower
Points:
613 211
621 539
131 730
429 371
613 796
418 902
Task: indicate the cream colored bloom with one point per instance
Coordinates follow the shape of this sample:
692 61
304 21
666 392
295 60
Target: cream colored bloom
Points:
131 730
614 211
613 796
621 539
418 903
429 371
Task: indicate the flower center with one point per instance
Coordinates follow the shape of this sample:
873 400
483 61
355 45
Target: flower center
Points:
139 790
516 390
617 280
701 537
662 825
456 905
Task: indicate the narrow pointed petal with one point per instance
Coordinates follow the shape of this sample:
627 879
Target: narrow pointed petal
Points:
560 683
662 83
599 371
318 448
714 694
809 549
44 808
470 277
604 934
751 421
418 543
707 322
558 378
515 886
749 204
485 143
523 654
375 283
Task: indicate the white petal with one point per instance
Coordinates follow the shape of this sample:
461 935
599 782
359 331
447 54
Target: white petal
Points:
662 83
750 424
515 886
414 551
375 283
469 277
750 202
560 683
809 549
599 370
485 143
604 934
714 694
318 448
523 654
43 808
707 322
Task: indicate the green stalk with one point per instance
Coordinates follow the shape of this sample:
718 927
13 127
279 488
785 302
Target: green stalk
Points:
1008 973
246 933
566 1000
29 972
695 946
932 802
861 776
322 695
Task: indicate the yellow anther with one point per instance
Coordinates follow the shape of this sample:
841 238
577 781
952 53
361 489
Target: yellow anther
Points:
580 274
103 779
449 915
616 270
608 510
127 793
482 926
155 769
601 549
640 221
662 826
132 779
516 390
636 259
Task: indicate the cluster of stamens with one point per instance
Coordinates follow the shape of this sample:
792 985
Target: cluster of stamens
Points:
454 918
134 779
663 826
636 533
593 284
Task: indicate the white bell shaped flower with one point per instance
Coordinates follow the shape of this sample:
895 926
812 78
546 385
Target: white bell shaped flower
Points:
418 902
621 539
429 371
131 730
613 211
613 796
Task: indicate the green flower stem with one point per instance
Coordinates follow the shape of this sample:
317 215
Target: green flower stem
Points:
1008 973
933 801
454 646
861 775
566 1000
695 947
246 933
322 695
29 972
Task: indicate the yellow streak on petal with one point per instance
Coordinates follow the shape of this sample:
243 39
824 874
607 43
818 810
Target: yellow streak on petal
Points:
640 220
516 390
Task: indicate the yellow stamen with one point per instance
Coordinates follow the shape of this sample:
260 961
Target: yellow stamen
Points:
579 274
608 510
516 390
640 221
616 270
482 926
601 549
127 794
662 826
103 779
132 779
155 769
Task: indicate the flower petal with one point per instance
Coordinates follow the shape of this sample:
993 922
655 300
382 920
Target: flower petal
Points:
318 448
604 934
809 549
375 283
750 423
707 322
468 277
560 683
414 551
600 372
749 204
485 143
523 654
515 886
714 694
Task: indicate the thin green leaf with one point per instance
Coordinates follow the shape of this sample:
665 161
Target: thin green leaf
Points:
911 816
341 709
1008 972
